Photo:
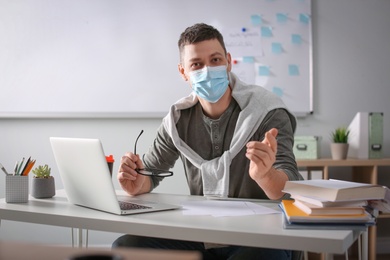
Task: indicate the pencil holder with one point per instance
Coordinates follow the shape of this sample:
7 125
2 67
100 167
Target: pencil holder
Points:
16 189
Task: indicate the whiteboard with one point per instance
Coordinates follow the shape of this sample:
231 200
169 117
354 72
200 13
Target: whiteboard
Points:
103 58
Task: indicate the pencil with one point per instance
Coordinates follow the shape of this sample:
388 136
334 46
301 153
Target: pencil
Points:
29 167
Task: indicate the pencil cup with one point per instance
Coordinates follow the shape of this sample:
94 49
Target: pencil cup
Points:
16 189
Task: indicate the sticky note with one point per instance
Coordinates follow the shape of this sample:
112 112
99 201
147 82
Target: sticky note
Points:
304 18
266 31
281 18
248 59
296 39
277 48
278 91
293 70
256 19
264 71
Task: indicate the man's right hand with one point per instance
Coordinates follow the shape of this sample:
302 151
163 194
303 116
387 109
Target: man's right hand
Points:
130 181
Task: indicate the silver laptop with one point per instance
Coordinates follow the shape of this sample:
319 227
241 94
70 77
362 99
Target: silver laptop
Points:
87 181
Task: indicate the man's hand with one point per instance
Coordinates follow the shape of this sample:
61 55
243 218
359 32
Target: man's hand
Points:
132 182
262 155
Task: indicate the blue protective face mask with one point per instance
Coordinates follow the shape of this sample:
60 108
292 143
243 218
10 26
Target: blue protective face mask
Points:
210 83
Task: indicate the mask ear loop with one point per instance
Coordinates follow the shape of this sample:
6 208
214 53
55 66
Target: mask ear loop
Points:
229 78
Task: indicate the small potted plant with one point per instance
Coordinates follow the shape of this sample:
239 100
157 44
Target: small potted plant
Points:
43 185
339 145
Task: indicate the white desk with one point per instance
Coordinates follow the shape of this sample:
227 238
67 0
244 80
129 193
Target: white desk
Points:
256 230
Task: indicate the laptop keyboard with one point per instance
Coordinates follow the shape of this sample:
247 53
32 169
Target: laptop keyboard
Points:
124 205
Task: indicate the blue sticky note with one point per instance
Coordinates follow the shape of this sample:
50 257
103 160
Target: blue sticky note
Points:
256 19
248 59
281 18
278 91
296 39
266 31
264 71
277 48
304 18
293 70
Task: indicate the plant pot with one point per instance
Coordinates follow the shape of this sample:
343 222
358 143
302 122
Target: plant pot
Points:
339 151
42 188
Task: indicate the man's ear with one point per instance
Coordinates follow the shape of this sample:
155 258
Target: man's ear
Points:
182 72
229 59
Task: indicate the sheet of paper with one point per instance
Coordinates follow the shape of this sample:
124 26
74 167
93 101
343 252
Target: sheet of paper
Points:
245 70
220 208
243 41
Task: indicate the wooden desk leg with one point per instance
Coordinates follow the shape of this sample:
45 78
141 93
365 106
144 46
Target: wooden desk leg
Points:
326 173
308 173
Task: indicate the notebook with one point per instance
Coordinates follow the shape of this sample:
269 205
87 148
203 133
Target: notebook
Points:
87 181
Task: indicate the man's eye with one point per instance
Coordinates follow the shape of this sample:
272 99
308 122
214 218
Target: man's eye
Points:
216 60
195 65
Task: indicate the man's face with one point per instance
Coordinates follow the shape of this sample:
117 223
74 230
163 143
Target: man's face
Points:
206 53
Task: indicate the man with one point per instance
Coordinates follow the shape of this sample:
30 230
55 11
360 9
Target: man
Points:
235 140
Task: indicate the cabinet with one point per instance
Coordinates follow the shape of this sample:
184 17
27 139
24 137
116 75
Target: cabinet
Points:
363 170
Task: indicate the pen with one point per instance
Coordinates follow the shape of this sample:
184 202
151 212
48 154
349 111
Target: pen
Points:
4 170
16 168
25 166
20 167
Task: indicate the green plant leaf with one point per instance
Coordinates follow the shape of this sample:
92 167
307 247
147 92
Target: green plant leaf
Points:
42 171
340 135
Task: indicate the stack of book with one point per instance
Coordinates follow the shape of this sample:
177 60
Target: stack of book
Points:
328 204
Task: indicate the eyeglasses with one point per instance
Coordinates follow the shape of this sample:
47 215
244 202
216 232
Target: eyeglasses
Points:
150 171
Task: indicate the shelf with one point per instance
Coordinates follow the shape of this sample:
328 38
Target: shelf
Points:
384 215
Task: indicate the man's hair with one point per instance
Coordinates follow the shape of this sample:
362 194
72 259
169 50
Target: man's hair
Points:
197 33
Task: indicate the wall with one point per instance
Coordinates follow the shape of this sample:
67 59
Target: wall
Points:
351 74
70 42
